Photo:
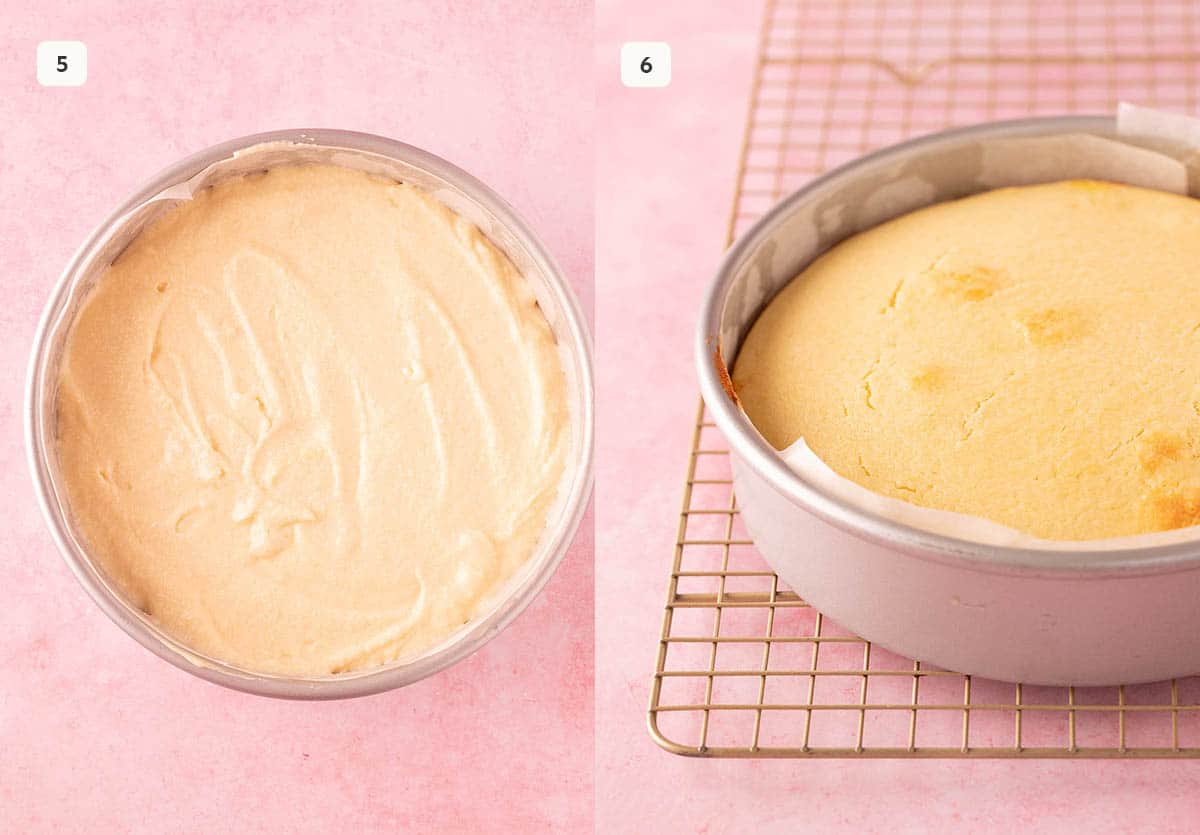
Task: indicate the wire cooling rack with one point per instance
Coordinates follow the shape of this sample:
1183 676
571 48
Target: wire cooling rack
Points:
745 667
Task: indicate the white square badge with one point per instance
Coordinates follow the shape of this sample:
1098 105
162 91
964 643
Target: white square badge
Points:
645 64
61 63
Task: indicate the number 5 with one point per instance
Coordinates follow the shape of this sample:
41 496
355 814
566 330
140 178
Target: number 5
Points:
62 63
646 66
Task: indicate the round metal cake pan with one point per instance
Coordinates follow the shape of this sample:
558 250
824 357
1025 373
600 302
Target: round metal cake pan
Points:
459 191
1069 617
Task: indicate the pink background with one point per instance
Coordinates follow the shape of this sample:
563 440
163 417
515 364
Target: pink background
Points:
665 179
97 734
100 736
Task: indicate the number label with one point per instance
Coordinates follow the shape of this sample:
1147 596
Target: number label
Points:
61 63
645 64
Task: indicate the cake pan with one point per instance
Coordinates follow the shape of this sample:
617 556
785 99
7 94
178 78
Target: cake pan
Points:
1069 617
378 155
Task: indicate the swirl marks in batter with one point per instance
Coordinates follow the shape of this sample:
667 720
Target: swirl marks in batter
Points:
311 421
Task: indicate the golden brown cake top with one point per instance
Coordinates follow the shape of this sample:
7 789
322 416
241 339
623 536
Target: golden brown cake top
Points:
1028 355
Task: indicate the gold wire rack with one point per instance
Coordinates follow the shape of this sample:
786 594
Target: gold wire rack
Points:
745 667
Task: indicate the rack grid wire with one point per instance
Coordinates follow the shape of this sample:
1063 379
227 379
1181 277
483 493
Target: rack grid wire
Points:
745 667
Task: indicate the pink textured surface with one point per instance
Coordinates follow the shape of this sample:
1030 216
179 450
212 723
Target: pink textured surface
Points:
665 177
99 735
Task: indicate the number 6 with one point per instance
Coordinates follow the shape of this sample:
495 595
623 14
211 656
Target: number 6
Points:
646 66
